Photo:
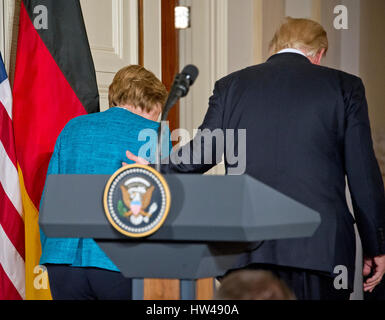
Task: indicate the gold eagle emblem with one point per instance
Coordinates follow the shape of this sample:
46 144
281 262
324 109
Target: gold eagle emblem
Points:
136 202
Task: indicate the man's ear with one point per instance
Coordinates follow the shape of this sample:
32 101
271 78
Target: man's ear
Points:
317 59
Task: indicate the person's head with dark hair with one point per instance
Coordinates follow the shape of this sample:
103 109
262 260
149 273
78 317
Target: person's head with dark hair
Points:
253 285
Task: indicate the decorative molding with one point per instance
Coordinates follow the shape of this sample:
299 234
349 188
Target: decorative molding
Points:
104 80
7 14
112 49
219 52
2 30
134 31
124 36
219 39
212 14
117 27
122 42
117 21
11 28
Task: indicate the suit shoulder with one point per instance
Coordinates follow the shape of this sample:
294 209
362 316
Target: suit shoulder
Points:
344 77
351 87
226 80
238 75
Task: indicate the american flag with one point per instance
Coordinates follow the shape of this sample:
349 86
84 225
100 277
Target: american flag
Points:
12 254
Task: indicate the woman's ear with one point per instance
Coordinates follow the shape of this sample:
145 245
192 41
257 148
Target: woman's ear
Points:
159 109
156 112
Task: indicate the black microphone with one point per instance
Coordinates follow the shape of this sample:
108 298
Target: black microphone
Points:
179 89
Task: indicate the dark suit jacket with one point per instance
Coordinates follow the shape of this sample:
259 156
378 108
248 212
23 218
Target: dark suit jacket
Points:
307 128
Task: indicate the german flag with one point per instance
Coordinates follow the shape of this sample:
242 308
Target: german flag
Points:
54 82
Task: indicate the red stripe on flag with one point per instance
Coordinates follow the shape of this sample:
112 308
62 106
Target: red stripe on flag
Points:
6 134
12 223
8 291
43 104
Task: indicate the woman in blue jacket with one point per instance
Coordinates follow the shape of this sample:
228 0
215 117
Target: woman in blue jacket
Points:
97 144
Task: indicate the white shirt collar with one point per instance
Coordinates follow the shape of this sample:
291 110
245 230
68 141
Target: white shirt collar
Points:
291 50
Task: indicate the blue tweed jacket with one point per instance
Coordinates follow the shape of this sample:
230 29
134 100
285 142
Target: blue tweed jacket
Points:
94 144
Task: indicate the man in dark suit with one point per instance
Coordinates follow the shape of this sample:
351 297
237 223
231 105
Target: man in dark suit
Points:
307 129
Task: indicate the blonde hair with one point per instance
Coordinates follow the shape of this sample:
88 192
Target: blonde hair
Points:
134 85
253 285
301 34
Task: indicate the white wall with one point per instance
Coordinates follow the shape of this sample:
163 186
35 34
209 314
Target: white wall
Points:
299 8
240 34
372 66
152 25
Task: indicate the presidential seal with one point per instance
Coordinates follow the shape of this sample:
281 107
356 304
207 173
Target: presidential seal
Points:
136 200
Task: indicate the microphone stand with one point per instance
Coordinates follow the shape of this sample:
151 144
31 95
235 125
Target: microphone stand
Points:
179 89
159 144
